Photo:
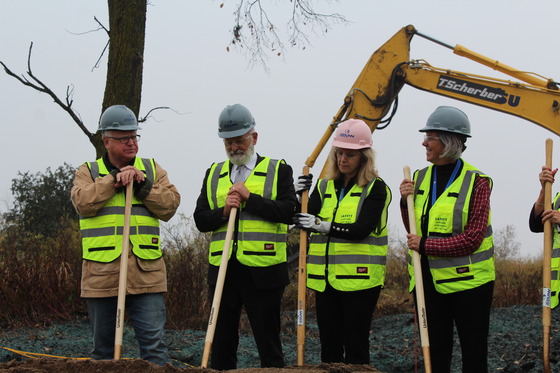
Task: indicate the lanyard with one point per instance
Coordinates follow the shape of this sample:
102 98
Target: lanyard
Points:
341 196
451 179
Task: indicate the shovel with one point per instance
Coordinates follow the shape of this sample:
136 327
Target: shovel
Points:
302 281
547 255
419 288
123 273
219 289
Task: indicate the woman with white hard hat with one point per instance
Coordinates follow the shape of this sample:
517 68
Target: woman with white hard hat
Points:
348 245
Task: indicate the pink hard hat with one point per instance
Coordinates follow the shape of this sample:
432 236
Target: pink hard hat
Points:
352 134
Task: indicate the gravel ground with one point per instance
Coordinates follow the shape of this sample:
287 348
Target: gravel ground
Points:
515 345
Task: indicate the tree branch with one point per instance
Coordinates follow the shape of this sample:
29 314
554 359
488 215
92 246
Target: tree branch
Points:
257 33
142 120
106 45
38 85
302 13
101 25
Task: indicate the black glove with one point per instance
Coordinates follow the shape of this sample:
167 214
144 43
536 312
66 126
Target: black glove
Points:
303 183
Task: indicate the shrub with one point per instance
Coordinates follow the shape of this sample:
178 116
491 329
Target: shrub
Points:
395 297
186 252
518 281
42 201
40 276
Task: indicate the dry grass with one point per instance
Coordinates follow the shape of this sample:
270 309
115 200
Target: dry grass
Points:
39 279
518 281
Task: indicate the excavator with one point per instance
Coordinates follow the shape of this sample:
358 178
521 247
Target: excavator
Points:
374 96
374 99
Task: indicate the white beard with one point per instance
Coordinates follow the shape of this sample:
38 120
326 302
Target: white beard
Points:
240 157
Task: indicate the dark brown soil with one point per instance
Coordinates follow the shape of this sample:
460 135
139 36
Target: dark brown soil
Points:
47 365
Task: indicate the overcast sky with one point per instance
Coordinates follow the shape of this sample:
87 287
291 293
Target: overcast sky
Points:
188 68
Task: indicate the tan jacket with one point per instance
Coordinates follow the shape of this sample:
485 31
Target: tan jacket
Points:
144 276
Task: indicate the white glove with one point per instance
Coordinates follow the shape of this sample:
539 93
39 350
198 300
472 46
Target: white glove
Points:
311 223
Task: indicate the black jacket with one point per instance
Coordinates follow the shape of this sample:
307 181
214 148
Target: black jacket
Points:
280 210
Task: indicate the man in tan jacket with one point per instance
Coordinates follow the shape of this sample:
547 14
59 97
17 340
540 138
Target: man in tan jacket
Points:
98 195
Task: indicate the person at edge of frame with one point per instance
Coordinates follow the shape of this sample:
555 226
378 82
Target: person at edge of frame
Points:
541 214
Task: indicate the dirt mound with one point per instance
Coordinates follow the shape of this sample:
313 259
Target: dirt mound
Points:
46 365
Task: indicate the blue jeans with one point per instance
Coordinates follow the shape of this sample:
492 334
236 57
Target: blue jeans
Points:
147 314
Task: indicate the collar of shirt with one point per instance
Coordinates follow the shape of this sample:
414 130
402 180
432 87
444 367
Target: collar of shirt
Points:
249 166
110 166
339 183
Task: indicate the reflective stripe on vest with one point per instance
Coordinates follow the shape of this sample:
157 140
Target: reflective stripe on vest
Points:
260 243
448 217
102 233
349 265
555 261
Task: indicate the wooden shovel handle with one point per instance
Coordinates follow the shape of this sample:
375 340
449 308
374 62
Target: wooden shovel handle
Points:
219 289
419 288
302 281
123 274
547 258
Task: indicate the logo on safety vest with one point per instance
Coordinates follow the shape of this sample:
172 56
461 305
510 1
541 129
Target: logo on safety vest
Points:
269 246
461 270
361 270
154 240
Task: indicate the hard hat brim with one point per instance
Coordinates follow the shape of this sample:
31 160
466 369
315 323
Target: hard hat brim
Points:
348 145
442 129
236 133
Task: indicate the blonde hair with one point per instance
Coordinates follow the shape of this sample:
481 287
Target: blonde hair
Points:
366 173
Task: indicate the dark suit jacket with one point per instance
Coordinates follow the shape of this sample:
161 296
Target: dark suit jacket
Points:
279 210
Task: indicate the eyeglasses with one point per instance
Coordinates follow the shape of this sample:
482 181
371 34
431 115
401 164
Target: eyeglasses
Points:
430 138
239 142
125 139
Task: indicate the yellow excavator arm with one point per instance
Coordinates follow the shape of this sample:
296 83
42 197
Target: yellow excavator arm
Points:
374 96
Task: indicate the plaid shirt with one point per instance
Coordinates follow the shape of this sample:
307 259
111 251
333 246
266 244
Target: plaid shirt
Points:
470 240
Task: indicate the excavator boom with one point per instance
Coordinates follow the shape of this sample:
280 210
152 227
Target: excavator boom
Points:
371 96
536 104
374 95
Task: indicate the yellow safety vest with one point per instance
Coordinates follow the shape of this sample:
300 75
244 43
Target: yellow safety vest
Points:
555 261
349 265
447 217
102 233
260 243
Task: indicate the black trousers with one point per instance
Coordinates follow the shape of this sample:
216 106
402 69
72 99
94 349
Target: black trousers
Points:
469 311
344 321
263 311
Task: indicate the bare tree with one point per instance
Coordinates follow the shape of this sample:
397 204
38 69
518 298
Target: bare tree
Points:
506 245
256 33
125 63
127 22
